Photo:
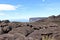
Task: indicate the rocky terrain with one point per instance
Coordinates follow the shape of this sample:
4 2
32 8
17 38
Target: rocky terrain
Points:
45 29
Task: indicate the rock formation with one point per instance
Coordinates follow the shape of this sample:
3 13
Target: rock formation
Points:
44 29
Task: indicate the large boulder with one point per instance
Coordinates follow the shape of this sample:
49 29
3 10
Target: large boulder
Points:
19 36
23 30
3 24
45 31
13 25
34 35
7 37
6 29
15 36
37 27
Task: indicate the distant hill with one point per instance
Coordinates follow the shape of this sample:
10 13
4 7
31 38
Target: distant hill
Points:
50 18
36 19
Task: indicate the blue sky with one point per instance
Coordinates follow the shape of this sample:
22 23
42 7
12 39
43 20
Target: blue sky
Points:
25 9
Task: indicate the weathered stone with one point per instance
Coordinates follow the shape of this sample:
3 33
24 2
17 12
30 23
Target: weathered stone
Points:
3 24
34 35
23 30
1 32
6 29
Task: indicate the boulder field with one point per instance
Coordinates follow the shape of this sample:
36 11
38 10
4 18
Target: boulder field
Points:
46 29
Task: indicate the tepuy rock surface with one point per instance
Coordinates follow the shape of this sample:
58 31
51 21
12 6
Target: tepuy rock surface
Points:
44 29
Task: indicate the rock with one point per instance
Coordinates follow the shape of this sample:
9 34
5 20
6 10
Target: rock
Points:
7 37
29 25
52 25
23 30
34 35
0 21
15 36
45 31
19 36
18 25
6 29
13 25
5 21
3 24
56 36
1 32
46 34
36 27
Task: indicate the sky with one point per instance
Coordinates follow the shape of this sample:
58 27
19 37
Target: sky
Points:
25 9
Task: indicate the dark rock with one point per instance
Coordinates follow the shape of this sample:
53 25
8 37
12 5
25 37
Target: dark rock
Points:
0 21
52 17
31 26
27 24
5 21
36 27
6 29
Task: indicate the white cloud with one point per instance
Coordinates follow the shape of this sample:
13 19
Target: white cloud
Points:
7 7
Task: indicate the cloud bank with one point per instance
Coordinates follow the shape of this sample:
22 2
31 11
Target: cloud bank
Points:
7 7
